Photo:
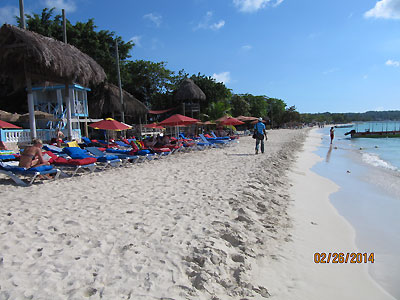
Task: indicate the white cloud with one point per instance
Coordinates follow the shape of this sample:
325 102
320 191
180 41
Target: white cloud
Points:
278 2
68 5
224 77
247 47
8 13
254 5
392 63
206 23
386 9
218 25
155 18
136 40
333 70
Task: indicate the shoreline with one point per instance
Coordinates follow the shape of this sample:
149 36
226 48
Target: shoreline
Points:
318 227
368 200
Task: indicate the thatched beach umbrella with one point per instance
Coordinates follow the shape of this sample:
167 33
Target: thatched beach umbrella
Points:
39 115
27 56
44 59
132 106
8 117
188 90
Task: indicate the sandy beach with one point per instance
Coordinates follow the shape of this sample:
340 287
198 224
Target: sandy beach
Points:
216 224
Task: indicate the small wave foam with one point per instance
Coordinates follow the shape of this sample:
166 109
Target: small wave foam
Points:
376 161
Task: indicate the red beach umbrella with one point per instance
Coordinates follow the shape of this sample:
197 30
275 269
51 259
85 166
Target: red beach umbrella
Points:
153 125
4 124
110 124
178 120
231 122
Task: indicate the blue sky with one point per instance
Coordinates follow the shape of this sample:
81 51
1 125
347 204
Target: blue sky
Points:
337 56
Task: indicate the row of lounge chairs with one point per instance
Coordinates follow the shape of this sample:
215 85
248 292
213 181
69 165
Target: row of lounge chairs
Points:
88 156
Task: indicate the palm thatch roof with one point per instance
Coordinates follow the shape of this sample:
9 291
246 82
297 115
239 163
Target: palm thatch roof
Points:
109 102
8 117
188 90
44 58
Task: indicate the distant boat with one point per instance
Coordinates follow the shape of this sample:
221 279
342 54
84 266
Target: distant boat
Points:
344 126
374 134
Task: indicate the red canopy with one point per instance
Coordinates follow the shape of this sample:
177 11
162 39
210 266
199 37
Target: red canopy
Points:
231 121
159 112
178 120
4 124
222 118
153 125
246 119
110 124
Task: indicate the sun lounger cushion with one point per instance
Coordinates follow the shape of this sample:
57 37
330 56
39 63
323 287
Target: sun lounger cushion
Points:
110 150
52 148
20 169
76 153
75 162
7 157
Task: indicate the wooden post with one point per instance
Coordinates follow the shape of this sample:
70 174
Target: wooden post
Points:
31 107
86 129
66 91
64 27
119 83
69 112
22 14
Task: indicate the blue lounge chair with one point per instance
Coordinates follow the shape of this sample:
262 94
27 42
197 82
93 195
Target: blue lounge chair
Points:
124 157
220 137
106 160
212 141
14 172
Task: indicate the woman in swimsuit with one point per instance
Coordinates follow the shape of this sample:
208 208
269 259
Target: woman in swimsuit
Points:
32 156
332 133
59 137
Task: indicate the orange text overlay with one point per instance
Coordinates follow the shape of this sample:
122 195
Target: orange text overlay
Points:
343 258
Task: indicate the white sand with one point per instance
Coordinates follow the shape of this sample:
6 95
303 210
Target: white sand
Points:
203 225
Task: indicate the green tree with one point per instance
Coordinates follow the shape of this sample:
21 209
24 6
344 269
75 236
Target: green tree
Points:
239 106
215 91
147 80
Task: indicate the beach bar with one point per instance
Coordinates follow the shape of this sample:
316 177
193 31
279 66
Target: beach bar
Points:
32 61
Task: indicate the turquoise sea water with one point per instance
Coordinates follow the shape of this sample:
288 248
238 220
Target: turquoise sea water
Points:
367 171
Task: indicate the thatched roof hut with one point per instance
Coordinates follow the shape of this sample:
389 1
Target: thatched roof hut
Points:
188 90
110 103
44 59
8 117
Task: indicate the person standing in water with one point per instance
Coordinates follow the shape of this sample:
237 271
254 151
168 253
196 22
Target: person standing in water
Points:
259 132
332 133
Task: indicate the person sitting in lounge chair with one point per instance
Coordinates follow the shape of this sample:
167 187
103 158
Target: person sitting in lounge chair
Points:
150 142
32 156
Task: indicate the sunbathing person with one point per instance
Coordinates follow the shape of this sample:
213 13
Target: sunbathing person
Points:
150 142
32 156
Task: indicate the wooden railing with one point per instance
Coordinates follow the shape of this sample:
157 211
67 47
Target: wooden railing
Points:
23 135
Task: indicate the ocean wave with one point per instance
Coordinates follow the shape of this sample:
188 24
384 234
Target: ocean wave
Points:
376 161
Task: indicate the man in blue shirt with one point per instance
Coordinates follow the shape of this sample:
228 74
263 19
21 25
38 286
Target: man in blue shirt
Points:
259 131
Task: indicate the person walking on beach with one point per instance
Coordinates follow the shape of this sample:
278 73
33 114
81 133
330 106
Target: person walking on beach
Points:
332 133
259 132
